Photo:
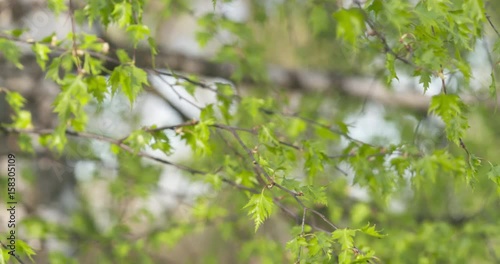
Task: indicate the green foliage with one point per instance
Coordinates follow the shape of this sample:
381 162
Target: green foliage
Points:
41 52
138 33
319 20
494 175
11 52
345 238
24 249
350 24
57 6
260 207
69 104
129 79
452 111
122 14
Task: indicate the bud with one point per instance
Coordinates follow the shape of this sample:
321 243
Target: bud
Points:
53 41
105 47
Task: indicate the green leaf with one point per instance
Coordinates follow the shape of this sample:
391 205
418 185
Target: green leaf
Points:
207 114
16 32
321 242
70 102
452 111
425 78
376 6
370 230
316 195
475 9
225 93
319 19
203 37
296 127
25 249
138 140
314 159
197 137
91 65
342 127
350 24
493 86
25 143
152 46
130 79
260 208
53 71
72 98
2 259
169 237
296 244
122 13
345 237
22 119
11 52
15 100
214 180
97 87
57 140
161 142
123 56
115 149
266 136
252 105
464 68
57 6
494 175
42 54
138 33
389 65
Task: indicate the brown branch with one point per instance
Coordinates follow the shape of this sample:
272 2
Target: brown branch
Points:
179 166
125 147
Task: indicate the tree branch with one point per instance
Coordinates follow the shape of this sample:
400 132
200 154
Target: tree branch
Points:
125 147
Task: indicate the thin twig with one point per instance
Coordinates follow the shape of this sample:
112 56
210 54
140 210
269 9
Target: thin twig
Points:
460 140
260 169
316 213
178 94
381 37
73 34
17 257
126 148
492 25
302 233
173 127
